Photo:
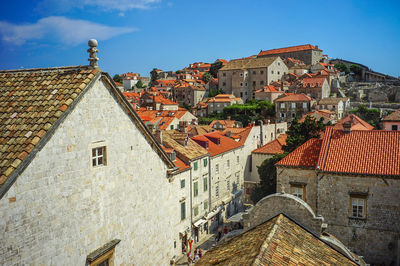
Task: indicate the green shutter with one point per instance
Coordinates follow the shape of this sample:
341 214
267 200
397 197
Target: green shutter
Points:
205 162
196 166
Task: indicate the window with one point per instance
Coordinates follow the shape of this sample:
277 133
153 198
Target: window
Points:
254 72
394 127
237 175
216 168
283 115
172 126
305 105
245 84
206 205
196 189
103 256
241 94
298 190
205 161
293 115
196 211
205 183
182 183
183 211
228 163
293 105
282 105
279 72
262 82
241 84
228 185
358 206
272 72
223 83
262 72
99 156
279 64
237 159
217 191
196 166
218 105
241 74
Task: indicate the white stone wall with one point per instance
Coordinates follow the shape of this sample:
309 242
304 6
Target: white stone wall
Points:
257 159
226 174
60 208
200 176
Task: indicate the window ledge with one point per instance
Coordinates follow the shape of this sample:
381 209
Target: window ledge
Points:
357 218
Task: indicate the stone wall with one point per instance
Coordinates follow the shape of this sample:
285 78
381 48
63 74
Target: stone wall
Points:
374 237
61 208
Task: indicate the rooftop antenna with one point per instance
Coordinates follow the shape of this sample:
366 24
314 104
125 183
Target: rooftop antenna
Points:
93 53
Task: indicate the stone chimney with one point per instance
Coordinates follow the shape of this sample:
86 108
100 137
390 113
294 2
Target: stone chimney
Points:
93 53
347 127
158 135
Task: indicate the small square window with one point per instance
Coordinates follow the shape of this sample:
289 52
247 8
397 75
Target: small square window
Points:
293 105
241 84
358 206
262 72
224 74
99 156
272 72
394 127
254 72
282 105
298 191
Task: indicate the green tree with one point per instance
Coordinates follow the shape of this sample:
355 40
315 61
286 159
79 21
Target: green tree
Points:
267 173
214 92
356 69
117 78
207 77
343 68
140 85
187 107
371 116
214 68
299 133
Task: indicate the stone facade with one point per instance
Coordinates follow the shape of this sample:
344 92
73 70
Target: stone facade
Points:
243 82
308 56
374 236
61 208
287 111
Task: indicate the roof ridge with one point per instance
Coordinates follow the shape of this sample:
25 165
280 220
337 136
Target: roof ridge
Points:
47 69
267 240
323 153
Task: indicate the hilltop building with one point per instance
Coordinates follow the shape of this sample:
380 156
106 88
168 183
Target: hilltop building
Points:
307 53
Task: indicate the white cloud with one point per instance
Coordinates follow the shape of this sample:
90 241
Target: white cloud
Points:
119 5
62 29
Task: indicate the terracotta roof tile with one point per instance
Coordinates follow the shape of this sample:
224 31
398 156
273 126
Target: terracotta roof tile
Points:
395 116
356 123
273 147
304 156
288 49
31 102
216 143
294 98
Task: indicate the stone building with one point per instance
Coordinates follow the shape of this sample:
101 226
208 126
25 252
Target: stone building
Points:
198 159
351 178
307 53
340 106
226 176
73 186
190 93
392 121
291 106
243 77
356 123
315 87
268 93
220 101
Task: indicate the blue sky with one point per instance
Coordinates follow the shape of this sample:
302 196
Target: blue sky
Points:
139 35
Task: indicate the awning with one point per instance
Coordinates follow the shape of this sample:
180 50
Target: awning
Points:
200 222
238 217
213 213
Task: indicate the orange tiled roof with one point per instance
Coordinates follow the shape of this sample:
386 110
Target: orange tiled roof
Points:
288 49
356 123
317 114
273 147
212 138
294 98
395 116
371 152
225 123
304 156
314 82
32 101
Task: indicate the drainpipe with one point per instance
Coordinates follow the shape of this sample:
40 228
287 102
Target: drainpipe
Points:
191 204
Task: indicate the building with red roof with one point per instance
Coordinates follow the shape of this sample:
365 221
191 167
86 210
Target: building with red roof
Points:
268 93
307 53
392 121
291 106
356 123
351 178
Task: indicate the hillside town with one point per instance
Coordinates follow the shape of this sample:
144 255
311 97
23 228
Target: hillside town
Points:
283 157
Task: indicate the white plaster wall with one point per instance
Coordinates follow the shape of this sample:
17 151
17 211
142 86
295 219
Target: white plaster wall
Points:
198 176
64 209
257 160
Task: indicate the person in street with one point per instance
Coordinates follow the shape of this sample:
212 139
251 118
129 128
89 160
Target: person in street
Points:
200 253
196 256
